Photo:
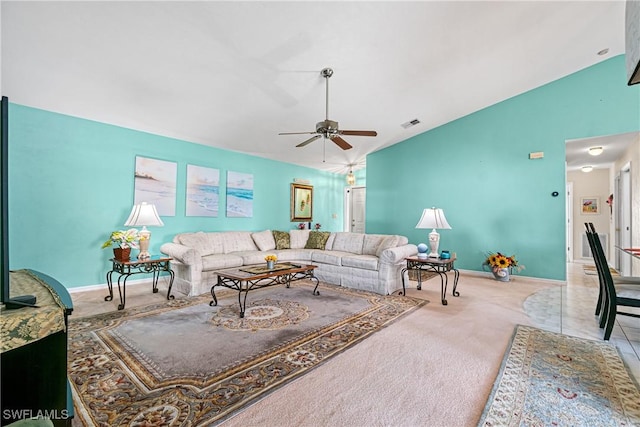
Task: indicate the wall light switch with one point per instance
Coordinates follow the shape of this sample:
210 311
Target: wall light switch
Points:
334 216
536 155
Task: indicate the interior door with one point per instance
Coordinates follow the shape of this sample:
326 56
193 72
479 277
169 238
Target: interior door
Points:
355 201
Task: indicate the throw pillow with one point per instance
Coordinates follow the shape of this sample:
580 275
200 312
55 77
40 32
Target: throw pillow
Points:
386 243
264 240
282 239
317 239
298 238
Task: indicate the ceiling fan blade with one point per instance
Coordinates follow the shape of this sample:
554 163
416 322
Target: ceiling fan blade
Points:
341 142
309 141
359 132
296 133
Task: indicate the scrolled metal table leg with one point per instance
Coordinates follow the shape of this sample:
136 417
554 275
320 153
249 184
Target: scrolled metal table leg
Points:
404 289
315 290
172 274
443 288
110 286
213 294
122 291
456 276
156 276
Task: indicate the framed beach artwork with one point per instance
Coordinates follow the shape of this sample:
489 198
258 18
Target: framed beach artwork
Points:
590 205
301 202
155 183
203 190
239 195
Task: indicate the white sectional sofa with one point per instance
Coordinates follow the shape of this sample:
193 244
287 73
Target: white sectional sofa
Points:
370 262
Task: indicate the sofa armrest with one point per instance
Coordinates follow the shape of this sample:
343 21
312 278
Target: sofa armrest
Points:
184 254
398 254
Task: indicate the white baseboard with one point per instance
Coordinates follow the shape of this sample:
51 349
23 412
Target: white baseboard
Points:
520 277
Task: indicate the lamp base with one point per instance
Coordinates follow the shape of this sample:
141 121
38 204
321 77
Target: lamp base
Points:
434 241
145 238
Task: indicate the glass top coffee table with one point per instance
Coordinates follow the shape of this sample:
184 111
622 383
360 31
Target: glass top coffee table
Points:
250 277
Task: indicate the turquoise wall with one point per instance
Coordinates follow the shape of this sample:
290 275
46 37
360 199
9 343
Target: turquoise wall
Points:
71 184
477 169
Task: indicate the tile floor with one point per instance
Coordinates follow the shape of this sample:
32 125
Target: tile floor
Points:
566 309
570 310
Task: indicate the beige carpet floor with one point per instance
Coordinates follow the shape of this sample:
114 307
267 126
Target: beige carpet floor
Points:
434 367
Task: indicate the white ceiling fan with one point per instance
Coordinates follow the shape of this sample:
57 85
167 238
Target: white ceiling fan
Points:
329 128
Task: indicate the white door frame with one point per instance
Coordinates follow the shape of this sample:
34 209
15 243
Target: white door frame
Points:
348 207
569 214
623 218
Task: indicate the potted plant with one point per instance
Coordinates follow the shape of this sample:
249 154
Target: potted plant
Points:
502 266
124 240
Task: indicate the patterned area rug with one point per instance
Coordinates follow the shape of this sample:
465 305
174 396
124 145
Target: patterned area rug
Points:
552 379
184 362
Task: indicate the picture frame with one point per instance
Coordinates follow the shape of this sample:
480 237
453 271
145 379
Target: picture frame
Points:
590 205
301 202
155 183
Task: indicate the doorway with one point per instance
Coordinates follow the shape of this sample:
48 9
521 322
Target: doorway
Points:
622 201
355 209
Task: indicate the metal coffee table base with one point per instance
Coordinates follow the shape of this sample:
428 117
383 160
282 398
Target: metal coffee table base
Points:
259 281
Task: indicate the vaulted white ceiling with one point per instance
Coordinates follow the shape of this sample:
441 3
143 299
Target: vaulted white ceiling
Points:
234 74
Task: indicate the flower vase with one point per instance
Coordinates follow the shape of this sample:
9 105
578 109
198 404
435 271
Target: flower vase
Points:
122 254
270 264
501 274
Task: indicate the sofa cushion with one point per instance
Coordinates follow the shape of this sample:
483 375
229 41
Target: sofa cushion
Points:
298 238
254 257
387 243
365 262
264 240
236 241
371 243
349 242
294 255
317 240
204 243
217 262
328 257
330 240
282 239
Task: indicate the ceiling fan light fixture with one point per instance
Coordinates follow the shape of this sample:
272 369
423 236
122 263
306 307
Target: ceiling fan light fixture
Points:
596 151
587 169
351 178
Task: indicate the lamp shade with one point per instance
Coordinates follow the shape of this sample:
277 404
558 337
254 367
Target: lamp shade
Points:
142 215
433 218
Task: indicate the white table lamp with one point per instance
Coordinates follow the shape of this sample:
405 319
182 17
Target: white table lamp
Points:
433 218
142 215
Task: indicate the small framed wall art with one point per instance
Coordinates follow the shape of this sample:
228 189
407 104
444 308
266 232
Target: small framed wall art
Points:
590 205
301 202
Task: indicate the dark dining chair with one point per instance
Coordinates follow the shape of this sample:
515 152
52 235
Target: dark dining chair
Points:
625 280
612 295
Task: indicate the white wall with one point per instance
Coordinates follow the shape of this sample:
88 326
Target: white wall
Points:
588 185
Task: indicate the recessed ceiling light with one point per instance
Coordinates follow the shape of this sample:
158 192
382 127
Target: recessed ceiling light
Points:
587 168
596 151
603 51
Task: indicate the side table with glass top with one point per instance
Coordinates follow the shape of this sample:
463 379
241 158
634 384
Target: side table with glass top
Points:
153 265
437 265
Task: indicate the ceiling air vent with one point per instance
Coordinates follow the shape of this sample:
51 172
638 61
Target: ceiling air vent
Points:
410 123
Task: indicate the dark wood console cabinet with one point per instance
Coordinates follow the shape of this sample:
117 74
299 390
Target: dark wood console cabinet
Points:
34 369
